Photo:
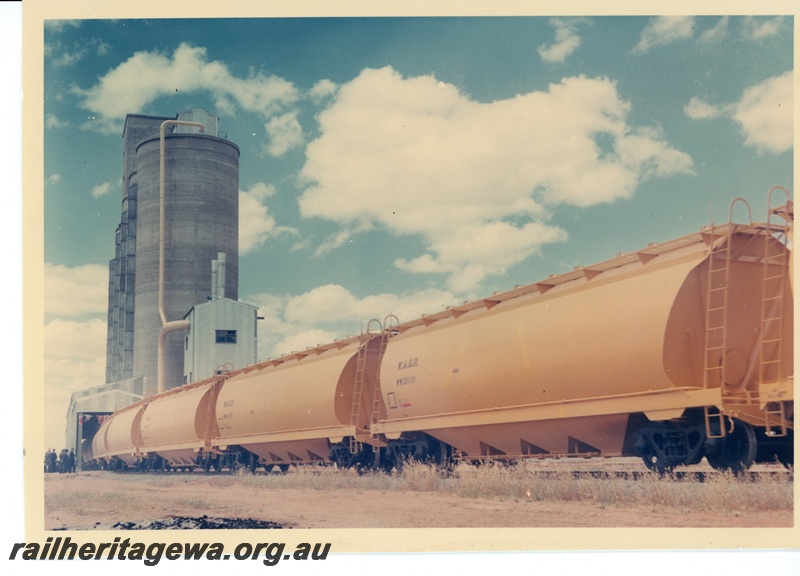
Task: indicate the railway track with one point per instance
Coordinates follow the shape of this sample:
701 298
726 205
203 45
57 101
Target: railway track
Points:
635 475
680 475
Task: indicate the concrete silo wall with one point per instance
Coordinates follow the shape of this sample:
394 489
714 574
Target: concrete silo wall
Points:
201 220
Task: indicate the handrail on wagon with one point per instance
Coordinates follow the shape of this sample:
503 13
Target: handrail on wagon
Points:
749 211
784 210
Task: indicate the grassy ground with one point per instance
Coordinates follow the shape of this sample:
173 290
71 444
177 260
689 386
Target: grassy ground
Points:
519 483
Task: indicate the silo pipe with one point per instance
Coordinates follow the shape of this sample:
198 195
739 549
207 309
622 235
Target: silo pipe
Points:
166 327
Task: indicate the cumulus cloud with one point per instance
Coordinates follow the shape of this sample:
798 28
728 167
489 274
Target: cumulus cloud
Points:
764 114
296 322
75 291
566 42
284 132
101 189
698 109
83 341
74 359
147 75
256 224
664 30
322 90
476 180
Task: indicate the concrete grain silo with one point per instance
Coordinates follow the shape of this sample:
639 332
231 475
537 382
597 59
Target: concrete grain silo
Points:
201 180
201 209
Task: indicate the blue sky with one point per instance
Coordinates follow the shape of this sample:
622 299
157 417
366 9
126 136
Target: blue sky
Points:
400 165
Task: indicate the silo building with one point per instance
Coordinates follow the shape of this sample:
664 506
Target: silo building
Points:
201 220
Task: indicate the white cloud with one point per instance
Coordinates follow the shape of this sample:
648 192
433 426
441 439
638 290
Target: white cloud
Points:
52 121
322 90
567 41
61 56
294 323
716 32
470 253
256 224
101 189
52 179
75 291
698 109
284 132
69 58
74 359
341 237
664 30
764 114
80 341
756 29
475 180
145 76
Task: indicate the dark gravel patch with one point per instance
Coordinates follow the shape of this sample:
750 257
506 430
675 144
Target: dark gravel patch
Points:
188 523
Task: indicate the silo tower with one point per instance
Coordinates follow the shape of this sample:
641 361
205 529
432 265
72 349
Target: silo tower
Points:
201 214
201 192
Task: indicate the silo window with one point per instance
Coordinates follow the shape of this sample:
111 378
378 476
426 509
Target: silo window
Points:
226 336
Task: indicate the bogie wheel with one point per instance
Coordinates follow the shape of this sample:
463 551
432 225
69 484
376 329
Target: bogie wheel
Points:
656 464
736 451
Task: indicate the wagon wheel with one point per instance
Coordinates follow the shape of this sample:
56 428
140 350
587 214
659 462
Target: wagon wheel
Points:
655 463
736 451
253 464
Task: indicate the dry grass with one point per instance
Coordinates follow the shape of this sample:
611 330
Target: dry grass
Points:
518 483
719 493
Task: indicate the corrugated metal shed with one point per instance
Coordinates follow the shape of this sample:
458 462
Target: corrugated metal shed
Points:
222 334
